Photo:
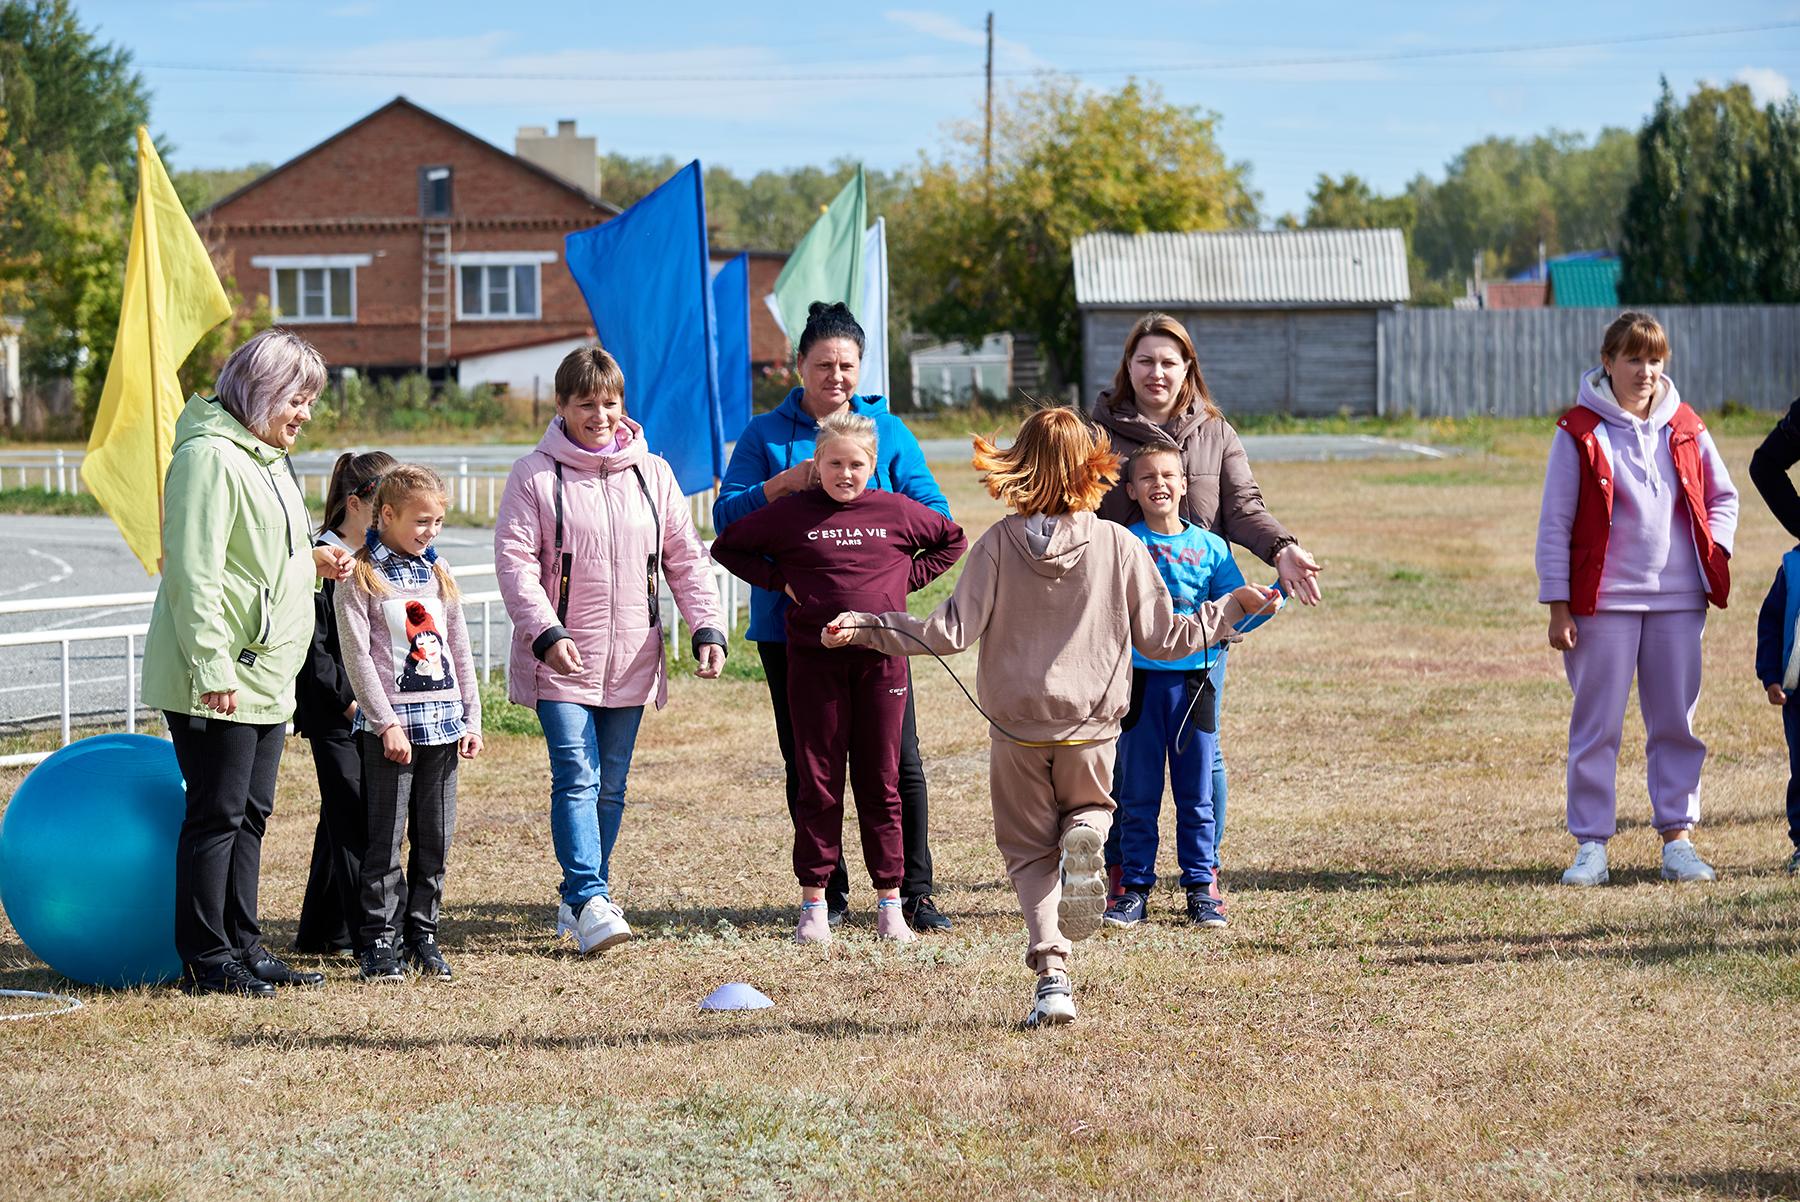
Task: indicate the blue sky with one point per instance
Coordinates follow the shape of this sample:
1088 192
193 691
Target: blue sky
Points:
1385 90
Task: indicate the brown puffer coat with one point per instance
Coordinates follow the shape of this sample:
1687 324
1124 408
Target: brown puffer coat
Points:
1222 494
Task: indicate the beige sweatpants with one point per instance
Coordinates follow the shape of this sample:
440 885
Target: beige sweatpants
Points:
1038 793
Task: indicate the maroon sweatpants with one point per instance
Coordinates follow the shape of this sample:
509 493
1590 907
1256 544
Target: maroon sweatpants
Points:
847 702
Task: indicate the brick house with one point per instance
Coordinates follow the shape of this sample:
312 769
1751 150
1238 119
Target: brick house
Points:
405 243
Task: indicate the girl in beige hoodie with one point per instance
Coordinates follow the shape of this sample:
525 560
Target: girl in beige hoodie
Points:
1057 599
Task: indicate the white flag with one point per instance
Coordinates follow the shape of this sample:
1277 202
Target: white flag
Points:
873 312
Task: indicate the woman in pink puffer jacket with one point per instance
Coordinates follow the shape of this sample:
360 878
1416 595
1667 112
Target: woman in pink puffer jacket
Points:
588 521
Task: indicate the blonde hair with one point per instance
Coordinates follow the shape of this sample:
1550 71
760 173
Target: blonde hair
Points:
1157 446
1635 333
853 426
1059 463
397 487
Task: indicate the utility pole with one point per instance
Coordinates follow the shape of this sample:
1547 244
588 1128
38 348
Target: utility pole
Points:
987 141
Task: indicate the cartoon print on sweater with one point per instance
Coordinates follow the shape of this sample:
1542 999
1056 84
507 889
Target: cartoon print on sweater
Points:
416 627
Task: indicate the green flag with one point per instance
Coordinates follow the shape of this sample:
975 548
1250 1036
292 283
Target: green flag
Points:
828 263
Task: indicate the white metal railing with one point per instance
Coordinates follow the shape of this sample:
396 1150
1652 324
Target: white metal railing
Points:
474 490
727 587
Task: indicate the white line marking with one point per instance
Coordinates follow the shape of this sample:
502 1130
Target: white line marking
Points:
64 570
1415 448
57 684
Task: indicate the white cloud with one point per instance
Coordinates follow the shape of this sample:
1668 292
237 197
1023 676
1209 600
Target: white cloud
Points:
1007 52
1766 84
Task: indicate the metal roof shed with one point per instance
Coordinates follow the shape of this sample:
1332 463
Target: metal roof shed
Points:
1284 321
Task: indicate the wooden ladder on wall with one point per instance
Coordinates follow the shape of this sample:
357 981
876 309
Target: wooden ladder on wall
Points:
434 297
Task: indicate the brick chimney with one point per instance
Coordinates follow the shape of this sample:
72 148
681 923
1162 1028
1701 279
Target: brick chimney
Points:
565 154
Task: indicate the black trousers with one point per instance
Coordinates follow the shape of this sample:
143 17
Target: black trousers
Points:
230 769
915 808
416 803
331 911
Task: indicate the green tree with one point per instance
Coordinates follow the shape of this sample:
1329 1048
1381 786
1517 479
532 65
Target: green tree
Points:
1653 230
73 106
1724 258
1691 230
970 259
771 210
1350 204
200 187
1775 207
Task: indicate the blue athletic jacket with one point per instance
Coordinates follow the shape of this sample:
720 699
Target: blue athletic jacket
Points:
776 441
1775 622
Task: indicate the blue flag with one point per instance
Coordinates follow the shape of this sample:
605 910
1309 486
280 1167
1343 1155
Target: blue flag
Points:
731 301
646 278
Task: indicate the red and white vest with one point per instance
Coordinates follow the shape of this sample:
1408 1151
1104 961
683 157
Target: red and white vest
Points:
1594 502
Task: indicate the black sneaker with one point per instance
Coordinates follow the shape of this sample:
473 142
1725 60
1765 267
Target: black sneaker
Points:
1793 864
423 957
229 977
1203 908
378 963
835 911
1127 910
265 965
922 914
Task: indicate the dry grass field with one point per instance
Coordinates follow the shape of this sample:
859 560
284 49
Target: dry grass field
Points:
1406 1004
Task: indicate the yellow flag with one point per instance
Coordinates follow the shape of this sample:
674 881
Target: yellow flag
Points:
172 297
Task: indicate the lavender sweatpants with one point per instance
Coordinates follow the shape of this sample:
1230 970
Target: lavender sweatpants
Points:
1663 650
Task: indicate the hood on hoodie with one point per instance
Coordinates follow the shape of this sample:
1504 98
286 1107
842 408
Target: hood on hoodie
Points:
205 417
628 450
1596 393
790 407
1068 542
1632 437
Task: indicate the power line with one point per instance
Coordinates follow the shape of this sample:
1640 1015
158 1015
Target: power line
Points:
863 73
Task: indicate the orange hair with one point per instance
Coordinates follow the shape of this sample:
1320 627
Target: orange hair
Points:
1058 464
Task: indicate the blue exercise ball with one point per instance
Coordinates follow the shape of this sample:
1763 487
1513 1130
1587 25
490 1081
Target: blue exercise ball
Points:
87 860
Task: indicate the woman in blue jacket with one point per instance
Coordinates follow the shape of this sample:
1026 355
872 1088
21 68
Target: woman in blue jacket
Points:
774 458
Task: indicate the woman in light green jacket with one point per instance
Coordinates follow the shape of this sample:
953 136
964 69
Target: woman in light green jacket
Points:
227 637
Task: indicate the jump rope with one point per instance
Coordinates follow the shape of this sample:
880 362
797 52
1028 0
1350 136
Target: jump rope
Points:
1276 600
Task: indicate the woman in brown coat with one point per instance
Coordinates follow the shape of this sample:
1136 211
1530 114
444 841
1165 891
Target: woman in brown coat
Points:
1159 395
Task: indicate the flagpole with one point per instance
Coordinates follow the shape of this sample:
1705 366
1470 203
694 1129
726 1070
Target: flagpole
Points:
150 321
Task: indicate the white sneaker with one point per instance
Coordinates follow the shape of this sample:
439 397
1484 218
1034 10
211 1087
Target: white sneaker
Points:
1682 863
1083 877
1589 867
1054 1004
599 926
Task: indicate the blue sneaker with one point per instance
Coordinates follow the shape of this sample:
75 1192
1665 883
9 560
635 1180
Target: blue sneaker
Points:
1127 909
1203 909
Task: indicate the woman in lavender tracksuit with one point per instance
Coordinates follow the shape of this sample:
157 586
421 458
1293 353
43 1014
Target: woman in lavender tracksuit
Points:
1633 541
588 523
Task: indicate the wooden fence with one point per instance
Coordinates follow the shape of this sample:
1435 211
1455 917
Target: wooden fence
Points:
1527 362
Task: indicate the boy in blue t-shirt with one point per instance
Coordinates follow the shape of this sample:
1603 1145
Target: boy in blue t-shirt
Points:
1174 705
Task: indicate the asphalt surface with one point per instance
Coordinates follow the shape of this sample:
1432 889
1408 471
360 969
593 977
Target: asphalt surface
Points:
49 558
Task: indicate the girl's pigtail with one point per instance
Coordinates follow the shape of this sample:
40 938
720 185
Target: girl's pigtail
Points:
446 582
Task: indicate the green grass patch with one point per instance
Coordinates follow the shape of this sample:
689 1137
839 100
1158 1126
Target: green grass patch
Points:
42 500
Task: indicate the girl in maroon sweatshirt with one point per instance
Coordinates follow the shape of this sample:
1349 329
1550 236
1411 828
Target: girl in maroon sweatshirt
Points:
833 548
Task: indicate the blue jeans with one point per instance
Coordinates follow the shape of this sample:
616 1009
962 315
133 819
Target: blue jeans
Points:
1113 858
1161 735
590 755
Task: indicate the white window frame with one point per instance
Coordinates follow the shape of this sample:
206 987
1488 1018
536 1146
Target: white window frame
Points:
534 259
278 263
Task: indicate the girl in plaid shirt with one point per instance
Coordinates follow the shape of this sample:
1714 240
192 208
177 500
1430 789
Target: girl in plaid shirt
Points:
406 651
